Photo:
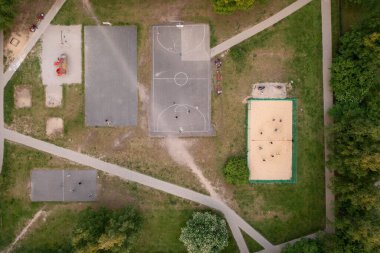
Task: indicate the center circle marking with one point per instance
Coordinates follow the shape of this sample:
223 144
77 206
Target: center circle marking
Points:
181 78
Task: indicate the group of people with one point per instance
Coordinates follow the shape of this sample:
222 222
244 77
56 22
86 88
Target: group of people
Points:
34 27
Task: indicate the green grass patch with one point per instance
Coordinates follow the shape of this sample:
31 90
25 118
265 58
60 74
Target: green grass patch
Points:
52 235
73 13
162 228
15 205
253 246
291 50
240 52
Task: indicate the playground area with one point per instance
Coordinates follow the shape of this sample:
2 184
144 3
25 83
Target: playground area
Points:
181 89
271 140
61 57
63 185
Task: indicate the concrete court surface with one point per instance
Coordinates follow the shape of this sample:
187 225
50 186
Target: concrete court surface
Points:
53 96
181 93
111 75
55 41
63 185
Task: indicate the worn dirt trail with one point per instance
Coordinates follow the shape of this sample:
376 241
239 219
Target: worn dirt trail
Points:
178 150
39 214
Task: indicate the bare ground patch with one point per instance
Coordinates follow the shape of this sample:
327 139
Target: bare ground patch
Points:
54 127
23 96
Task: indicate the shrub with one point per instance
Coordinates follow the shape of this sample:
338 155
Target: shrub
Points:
106 231
236 171
7 14
205 233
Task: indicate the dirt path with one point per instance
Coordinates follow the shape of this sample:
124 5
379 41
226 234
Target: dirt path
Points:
327 104
20 236
178 150
88 8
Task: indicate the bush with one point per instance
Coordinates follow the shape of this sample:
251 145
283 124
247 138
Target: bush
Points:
355 149
106 231
229 6
236 171
205 233
7 14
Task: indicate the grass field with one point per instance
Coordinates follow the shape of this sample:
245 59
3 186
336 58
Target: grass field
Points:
291 50
163 214
15 205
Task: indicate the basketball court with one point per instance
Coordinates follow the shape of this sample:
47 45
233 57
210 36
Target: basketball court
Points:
181 92
63 185
271 140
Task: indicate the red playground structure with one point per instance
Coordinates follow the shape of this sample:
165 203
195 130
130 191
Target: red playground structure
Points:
61 65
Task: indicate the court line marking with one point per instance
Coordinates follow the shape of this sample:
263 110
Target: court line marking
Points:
180 51
63 185
186 105
155 126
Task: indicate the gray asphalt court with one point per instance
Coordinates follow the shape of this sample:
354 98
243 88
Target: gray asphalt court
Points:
110 75
181 91
63 185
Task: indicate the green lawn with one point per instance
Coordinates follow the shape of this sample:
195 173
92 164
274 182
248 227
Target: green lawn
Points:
291 50
15 207
163 214
53 234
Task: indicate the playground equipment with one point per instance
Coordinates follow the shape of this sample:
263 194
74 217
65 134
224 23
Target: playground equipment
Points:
61 65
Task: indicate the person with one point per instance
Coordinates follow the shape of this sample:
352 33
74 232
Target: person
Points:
33 28
41 17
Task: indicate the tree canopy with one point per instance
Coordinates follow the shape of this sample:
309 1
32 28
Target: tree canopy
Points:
205 233
105 231
7 13
355 138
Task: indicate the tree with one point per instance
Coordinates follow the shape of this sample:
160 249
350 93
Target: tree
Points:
205 233
7 13
105 231
236 171
229 6
355 145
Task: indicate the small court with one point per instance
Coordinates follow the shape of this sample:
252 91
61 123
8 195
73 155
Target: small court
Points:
63 185
110 75
181 93
271 140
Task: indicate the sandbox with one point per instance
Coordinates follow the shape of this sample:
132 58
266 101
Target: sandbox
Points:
271 140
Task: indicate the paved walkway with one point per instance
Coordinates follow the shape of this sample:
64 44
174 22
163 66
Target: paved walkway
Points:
1 100
233 219
235 222
33 40
327 104
259 27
